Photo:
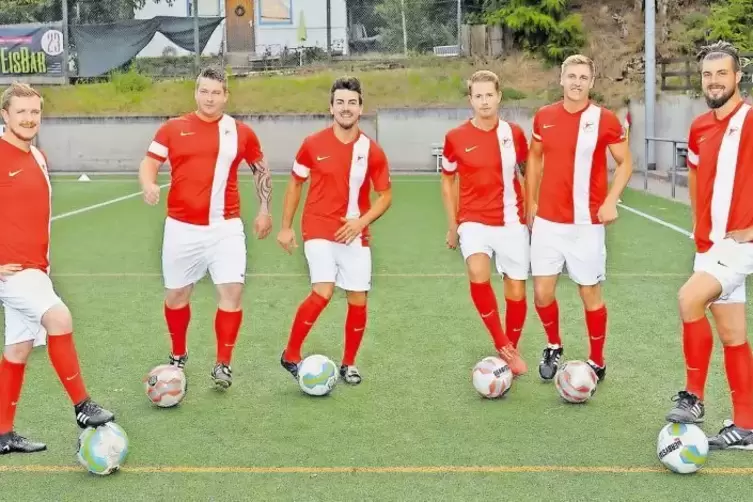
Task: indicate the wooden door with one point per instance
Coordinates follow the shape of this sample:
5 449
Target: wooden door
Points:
239 17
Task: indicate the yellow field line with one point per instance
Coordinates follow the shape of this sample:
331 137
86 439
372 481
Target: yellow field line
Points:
444 469
647 275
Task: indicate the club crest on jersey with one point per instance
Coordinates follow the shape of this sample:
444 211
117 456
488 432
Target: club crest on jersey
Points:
359 159
506 142
588 127
733 130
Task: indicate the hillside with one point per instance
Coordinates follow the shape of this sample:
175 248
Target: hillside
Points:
614 38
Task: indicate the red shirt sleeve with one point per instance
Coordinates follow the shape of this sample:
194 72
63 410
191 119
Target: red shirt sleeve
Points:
521 144
379 169
611 128
302 164
537 126
159 149
252 147
692 160
449 159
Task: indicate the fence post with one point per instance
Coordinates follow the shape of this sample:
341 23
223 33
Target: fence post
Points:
674 166
645 165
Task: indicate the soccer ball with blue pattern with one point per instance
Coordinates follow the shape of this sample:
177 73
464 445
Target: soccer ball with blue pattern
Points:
682 448
317 375
102 450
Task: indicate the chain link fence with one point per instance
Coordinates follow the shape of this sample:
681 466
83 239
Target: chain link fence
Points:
158 38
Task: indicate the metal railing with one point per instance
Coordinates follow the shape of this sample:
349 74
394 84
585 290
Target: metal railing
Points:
675 164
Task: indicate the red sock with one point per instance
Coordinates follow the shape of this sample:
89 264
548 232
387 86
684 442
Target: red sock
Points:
226 327
596 322
11 382
697 344
550 318
307 314
515 318
64 359
485 301
355 325
177 324
738 363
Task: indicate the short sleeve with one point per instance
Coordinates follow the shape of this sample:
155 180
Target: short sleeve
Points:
449 159
521 144
692 159
379 170
159 149
302 163
612 129
536 133
252 150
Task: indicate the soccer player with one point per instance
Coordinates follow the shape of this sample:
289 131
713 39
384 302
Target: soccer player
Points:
720 161
34 313
203 230
342 164
569 204
486 215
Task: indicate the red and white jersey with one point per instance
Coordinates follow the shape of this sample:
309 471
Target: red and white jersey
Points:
25 207
341 177
204 158
574 183
721 153
486 161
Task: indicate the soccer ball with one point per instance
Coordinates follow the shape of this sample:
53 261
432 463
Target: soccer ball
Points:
682 448
492 377
102 450
575 381
317 375
166 385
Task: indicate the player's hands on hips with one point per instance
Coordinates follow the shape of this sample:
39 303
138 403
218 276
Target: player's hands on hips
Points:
349 231
262 225
286 239
452 238
745 235
8 270
607 213
151 194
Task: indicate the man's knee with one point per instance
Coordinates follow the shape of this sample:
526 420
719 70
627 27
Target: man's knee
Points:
231 296
178 298
357 297
18 352
479 267
591 296
57 320
324 289
543 290
730 320
695 295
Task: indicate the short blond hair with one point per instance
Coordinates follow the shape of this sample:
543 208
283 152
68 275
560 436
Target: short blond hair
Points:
18 90
483 76
579 59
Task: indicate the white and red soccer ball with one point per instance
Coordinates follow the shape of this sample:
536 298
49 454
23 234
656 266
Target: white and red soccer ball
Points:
492 377
165 385
576 381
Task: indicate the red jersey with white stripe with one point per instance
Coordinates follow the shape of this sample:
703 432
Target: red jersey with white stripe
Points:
25 207
574 183
341 178
486 162
204 158
721 153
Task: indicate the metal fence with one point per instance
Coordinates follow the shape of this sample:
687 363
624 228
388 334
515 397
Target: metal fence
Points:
252 35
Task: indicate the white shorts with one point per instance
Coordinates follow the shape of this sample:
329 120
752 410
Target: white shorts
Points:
729 263
26 296
188 251
510 246
348 266
581 248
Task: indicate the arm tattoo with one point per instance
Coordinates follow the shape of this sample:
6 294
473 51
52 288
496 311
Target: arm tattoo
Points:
263 180
521 167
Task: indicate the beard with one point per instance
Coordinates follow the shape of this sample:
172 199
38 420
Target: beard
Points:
346 123
719 101
23 132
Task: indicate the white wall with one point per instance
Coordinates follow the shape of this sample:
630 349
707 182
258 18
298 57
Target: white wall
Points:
180 8
275 37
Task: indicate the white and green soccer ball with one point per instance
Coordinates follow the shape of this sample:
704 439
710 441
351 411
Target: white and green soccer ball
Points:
317 375
682 448
102 450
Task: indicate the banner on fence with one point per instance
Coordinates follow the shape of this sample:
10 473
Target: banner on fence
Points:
32 50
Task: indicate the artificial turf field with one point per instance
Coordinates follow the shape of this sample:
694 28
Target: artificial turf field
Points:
414 429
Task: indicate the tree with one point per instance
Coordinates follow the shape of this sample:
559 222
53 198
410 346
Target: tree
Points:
731 20
542 26
79 11
427 24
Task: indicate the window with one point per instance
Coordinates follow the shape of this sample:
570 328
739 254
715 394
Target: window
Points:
275 12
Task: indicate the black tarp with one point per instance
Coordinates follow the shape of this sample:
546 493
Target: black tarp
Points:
103 47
